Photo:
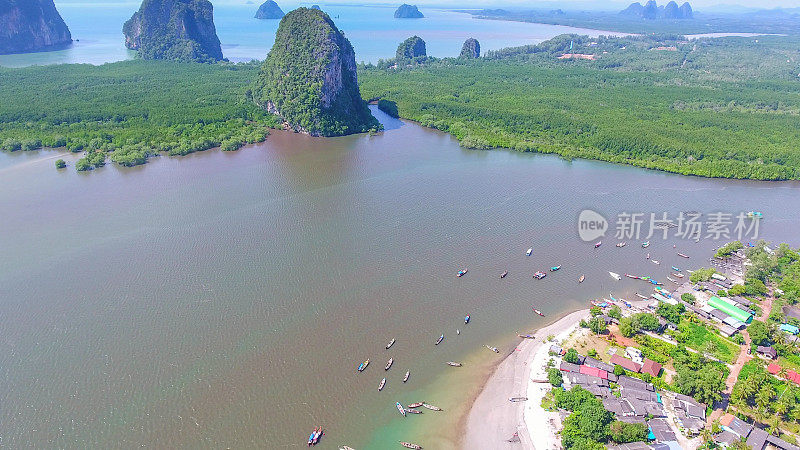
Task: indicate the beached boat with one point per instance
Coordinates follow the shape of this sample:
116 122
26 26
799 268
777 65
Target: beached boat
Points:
582 278
527 336
410 445
363 366
382 384
461 273
598 244
454 364
389 364
641 296
405 377
390 344
466 319
539 275
503 275
622 244
537 311
431 407
494 349
683 256
528 253
400 408
615 276
554 268
439 341
416 405
645 244
517 399
676 269
679 275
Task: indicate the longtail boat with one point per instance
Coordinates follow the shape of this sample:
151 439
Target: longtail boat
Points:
410 445
400 408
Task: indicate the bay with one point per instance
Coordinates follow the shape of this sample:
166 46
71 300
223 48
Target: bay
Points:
225 299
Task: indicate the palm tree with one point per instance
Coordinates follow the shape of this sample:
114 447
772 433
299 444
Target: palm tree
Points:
764 396
774 426
782 372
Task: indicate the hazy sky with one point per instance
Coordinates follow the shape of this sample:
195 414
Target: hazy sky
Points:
564 4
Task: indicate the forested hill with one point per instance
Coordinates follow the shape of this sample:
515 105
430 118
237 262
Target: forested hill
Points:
715 108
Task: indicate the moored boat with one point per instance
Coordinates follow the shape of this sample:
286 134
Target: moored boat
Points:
344 447
454 364
679 275
672 279
431 407
390 344
389 364
683 256
363 365
466 319
581 279
537 311
539 275
622 244
317 435
528 253
527 336
382 384
554 268
654 261
413 411
598 244
416 405
503 275
676 269
408 374
400 408
461 273
645 244
494 349
410 445
311 437
615 276
632 276
439 341
755 215
641 296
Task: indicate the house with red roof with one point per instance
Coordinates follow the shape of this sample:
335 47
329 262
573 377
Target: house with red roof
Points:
651 367
594 372
626 363
773 368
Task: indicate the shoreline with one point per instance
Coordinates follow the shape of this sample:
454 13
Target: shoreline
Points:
492 419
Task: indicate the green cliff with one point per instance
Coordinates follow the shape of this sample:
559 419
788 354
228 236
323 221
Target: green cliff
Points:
411 48
309 78
181 30
471 49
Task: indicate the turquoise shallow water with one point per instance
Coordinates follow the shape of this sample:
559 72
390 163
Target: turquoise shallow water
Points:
225 299
373 31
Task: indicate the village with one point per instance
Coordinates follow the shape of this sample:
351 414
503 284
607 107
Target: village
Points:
711 364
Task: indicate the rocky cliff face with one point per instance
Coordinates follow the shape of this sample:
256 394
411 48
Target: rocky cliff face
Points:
471 49
269 10
31 26
652 11
408 12
413 47
174 29
309 78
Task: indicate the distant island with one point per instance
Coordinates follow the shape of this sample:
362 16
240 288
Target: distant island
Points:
269 10
309 78
652 11
31 26
408 12
180 30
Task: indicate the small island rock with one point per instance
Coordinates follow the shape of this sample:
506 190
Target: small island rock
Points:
408 12
471 49
413 47
31 26
269 10
309 78
180 30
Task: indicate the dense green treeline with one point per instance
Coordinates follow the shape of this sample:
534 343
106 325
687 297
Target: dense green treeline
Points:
657 102
130 110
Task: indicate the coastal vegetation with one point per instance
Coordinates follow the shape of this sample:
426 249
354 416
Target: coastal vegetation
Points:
590 425
130 111
725 107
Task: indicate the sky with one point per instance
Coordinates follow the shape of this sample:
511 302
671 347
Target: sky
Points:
563 4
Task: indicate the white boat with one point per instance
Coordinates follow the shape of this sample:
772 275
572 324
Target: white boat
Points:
528 253
382 384
390 344
615 276
494 349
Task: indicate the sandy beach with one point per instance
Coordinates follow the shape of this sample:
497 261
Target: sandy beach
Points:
493 419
